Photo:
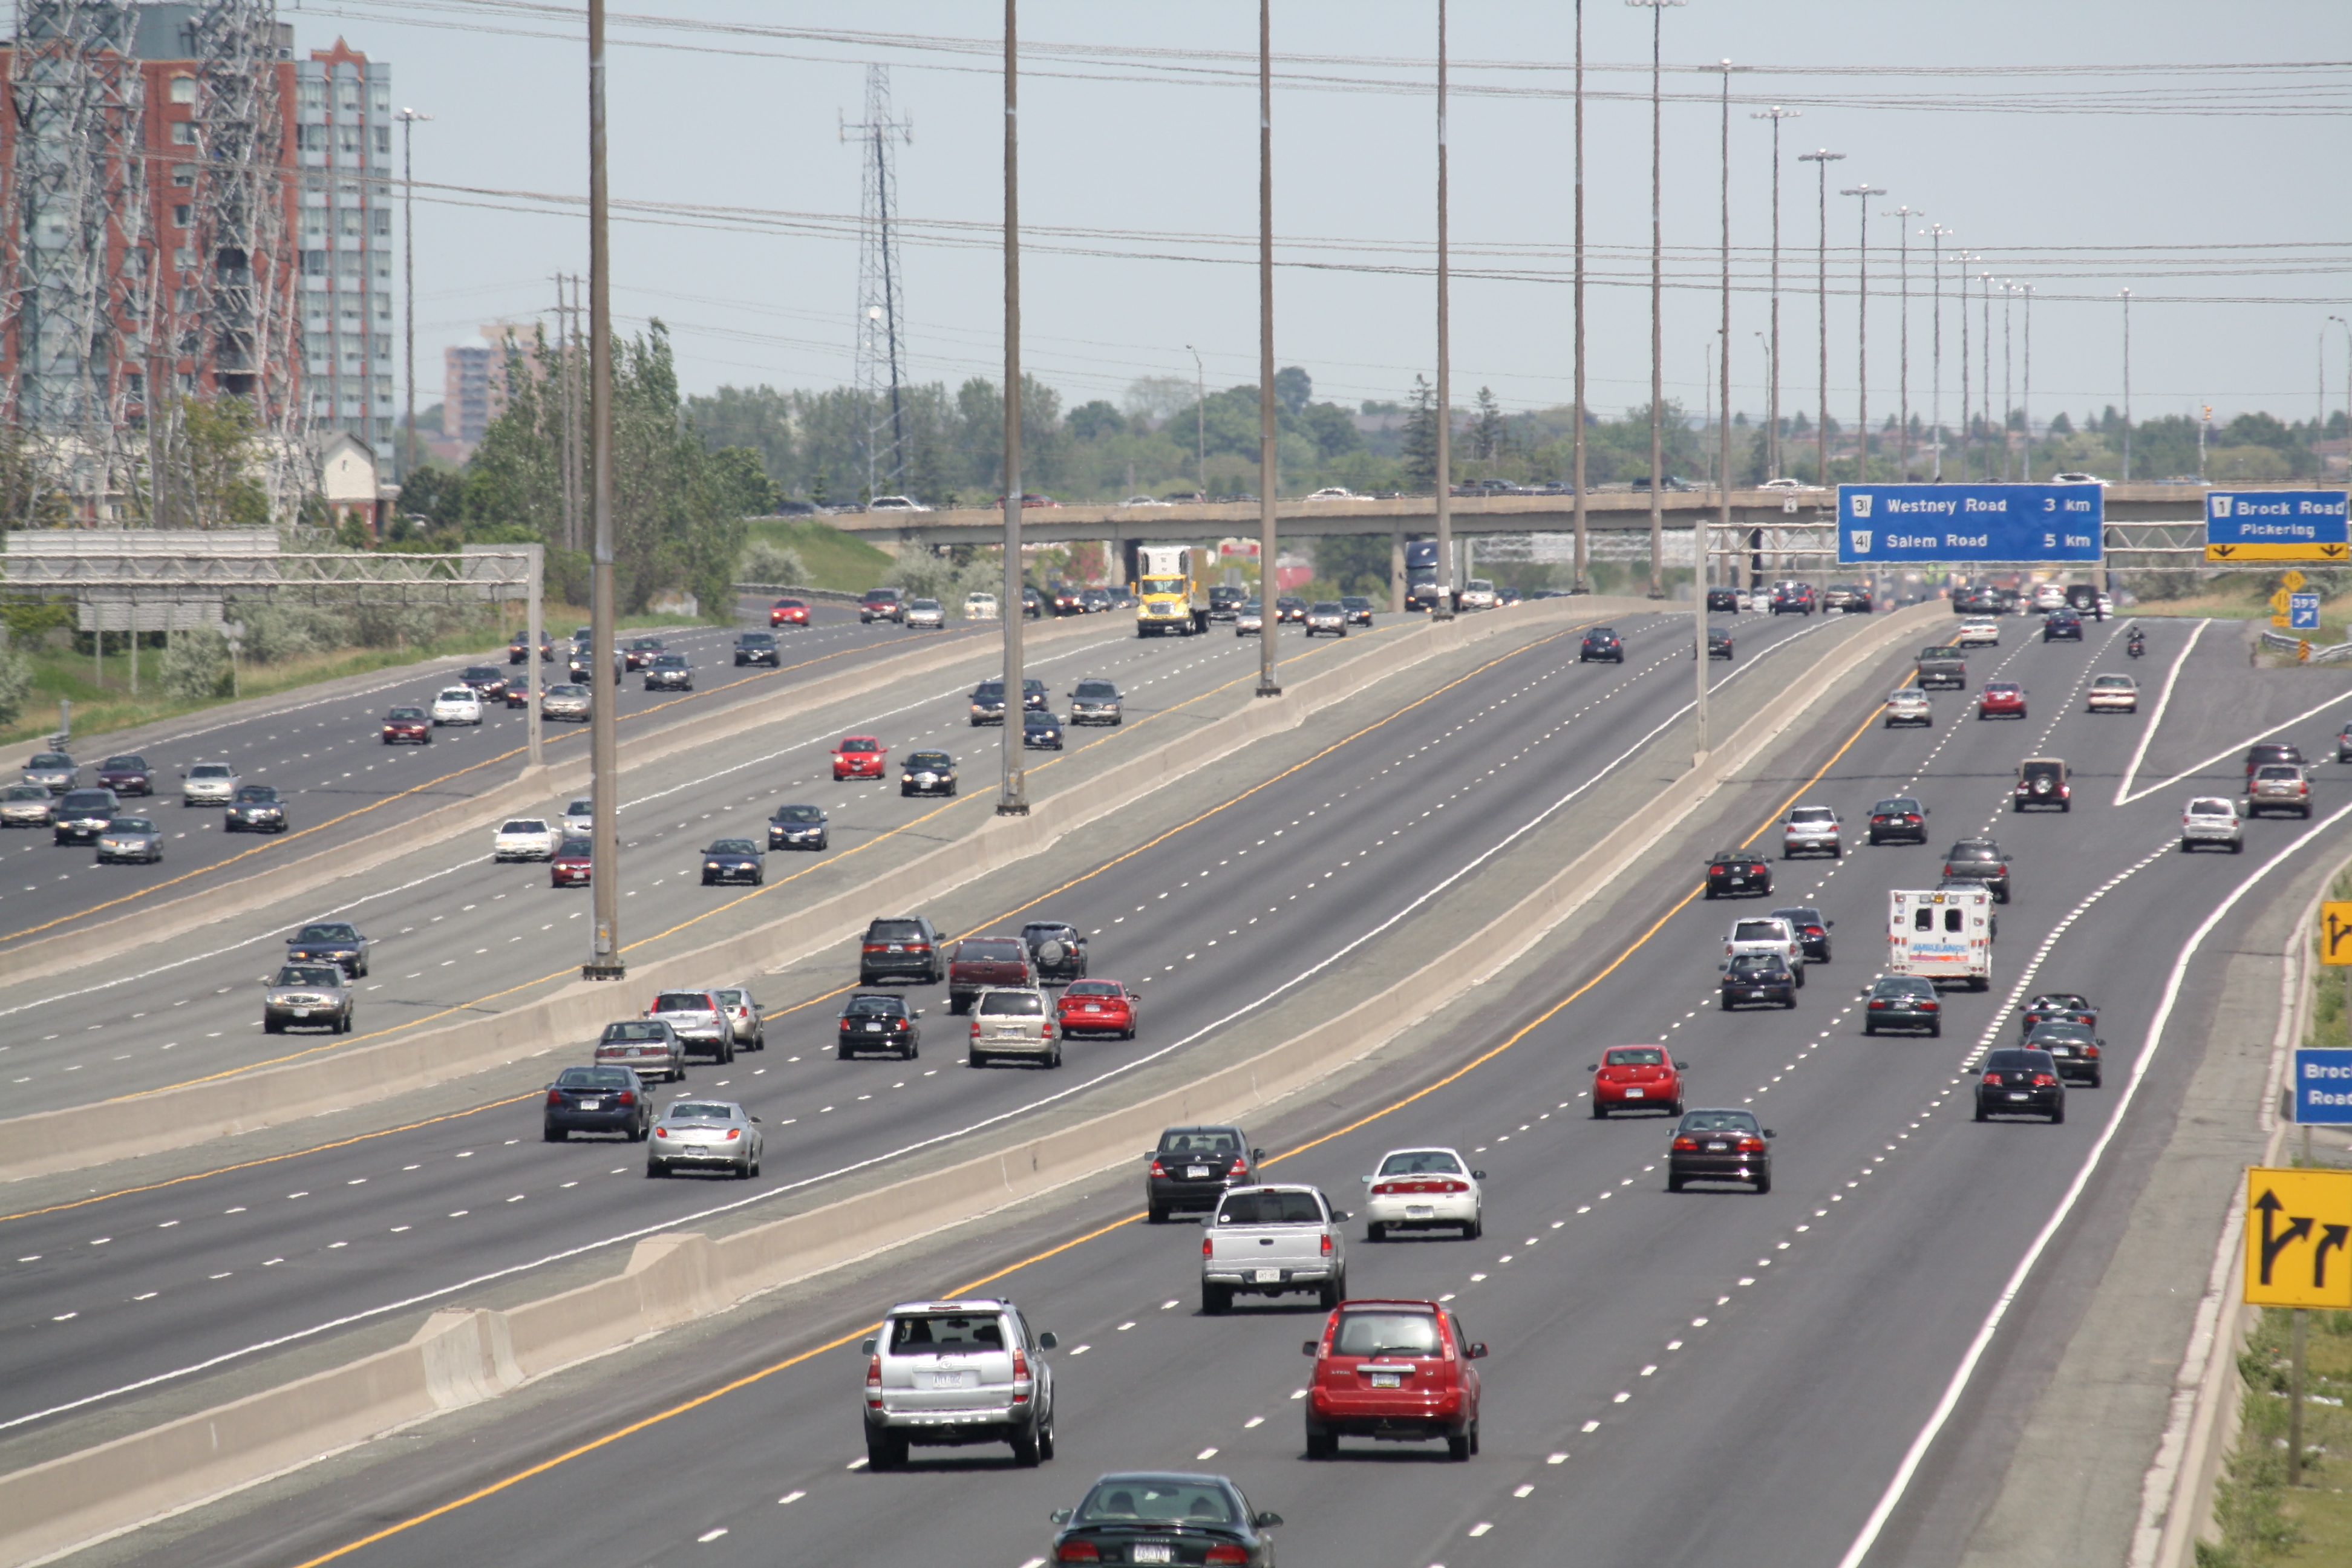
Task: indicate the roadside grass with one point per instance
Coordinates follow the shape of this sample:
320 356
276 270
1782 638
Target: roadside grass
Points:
2262 1522
834 560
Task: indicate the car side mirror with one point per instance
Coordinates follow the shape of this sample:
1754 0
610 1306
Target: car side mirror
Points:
1366 1180
1477 1350
1769 1133
1048 1339
1338 1215
755 1119
1257 1154
918 1012
1267 1520
1829 925
1311 1346
1682 1066
1592 1066
868 1346
1061 1515
1477 1176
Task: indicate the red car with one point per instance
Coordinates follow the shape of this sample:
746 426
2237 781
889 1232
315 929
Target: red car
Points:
412 725
1393 1369
1636 1078
2001 699
570 865
859 757
788 612
1099 1007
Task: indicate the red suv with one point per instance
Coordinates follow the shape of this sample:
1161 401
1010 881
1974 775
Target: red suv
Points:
1393 1369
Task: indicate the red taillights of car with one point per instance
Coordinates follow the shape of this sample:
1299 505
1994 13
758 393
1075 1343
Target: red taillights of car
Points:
1076 1552
1327 1244
1226 1552
1750 1145
1021 1384
1208 1247
1240 1167
1685 1145
874 1383
554 1097
1993 1079
2043 1081
661 1132
1392 1189
1158 1169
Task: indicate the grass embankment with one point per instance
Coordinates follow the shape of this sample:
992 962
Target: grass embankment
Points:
2262 1521
836 560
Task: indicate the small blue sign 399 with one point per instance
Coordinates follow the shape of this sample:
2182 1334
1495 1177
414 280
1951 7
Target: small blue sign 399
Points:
2323 1085
1894 524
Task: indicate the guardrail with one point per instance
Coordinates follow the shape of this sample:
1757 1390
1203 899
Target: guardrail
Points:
791 591
2281 642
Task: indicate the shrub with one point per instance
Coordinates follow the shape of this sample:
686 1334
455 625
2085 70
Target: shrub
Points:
765 562
196 666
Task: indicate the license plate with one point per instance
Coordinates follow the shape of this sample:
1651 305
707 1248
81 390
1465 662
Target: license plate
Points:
1153 1551
1634 1094
2017 1097
706 1150
1196 1172
1094 1006
1269 1275
1388 1380
873 1028
301 1011
1717 1148
897 947
951 1380
1419 1211
591 1105
1009 1032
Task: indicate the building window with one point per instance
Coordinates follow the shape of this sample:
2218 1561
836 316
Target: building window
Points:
382 223
350 97
383 140
183 256
183 90
383 266
184 133
314 264
313 95
351 223
183 175
382 98
347 139
347 262
181 212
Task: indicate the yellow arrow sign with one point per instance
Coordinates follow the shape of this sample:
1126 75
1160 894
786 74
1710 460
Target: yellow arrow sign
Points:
2298 1229
2235 555
2336 932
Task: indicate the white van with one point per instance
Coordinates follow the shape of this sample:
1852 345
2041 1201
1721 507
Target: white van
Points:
1944 935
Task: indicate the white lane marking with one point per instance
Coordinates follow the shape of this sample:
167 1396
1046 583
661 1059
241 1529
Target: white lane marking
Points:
2154 1042
2155 719
2239 745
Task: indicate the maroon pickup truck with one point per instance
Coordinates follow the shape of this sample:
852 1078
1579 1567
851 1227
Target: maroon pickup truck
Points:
978 964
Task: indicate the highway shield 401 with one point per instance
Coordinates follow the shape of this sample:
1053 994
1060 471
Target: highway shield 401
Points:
2298 1227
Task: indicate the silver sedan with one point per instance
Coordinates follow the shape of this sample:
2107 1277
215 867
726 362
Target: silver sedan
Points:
705 1134
130 838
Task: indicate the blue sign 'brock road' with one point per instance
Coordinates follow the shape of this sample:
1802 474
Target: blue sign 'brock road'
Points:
1889 525
2275 525
2323 1085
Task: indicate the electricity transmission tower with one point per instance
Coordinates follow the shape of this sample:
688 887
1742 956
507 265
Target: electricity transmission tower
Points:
881 359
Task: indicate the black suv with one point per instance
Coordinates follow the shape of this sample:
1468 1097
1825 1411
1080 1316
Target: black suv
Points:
2021 1082
1194 1165
1058 952
1226 603
1601 642
757 647
82 815
1979 861
669 672
876 1022
519 649
904 947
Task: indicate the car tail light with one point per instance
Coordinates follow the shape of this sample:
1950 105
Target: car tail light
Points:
661 1132
1877 1003
1751 1145
975 1029
873 1382
1208 1249
1240 1167
2090 1050
1455 1187
628 1097
1931 1007
1049 1028
554 1097
877 947
1327 1244
919 947
1158 1169
1076 1552
1020 1376
733 1133
1686 1145
1226 1551
2043 1080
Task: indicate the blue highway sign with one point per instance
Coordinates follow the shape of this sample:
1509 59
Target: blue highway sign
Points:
2302 612
2323 1085
1902 524
2276 525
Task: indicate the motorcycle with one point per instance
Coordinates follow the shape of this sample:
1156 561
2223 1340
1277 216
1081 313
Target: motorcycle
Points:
2134 644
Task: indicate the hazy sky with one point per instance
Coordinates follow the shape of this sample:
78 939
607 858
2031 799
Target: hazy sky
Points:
1138 186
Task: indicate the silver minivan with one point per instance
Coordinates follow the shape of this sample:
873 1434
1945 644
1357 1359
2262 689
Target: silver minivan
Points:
1014 1022
957 1372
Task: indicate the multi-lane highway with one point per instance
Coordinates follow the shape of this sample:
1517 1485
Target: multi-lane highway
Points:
1675 1377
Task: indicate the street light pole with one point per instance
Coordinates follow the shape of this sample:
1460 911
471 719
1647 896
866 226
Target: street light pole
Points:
1984 301
604 764
2128 387
1268 476
1903 216
1013 792
2025 391
1442 608
1936 232
1772 360
1200 423
2347 392
1657 9
1820 160
1584 539
1723 429
1862 316
408 118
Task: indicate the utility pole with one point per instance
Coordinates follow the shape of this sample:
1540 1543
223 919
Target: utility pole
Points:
2025 393
1584 539
1657 9
1936 233
1772 368
1013 795
1968 425
1442 610
2126 386
1269 684
2008 374
408 118
603 764
1701 556
1903 216
2347 394
1200 424
1984 301
1861 338
1822 160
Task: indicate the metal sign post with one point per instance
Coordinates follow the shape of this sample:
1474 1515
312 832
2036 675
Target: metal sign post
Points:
2297 1222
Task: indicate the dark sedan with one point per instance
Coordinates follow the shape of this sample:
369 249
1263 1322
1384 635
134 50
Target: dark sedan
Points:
597 1100
518 649
1901 1001
1898 819
1719 1146
254 808
2021 1082
2075 1049
408 726
1290 608
1737 872
642 652
734 860
669 672
1600 643
1812 930
1979 861
489 681
2343 745
1359 608
82 815
2061 625
1723 600
879 1023
126 775
1041 732
1156 1517
329 941
1757 980
927 773
758 648
1097 701
798 827
1719 643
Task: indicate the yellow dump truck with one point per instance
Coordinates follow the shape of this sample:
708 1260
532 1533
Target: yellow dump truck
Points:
1172 589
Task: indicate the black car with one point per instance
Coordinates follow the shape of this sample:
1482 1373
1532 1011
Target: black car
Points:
256 808
1901 1001
1757 980
1737 872
518 649
2059 624
2017 1081
2074 1047
1719 1146
734 860
2057 1006
904 947
642 651
1223 602
1979 861
988 699
1600 643
1792 599
1723 600
1898 818
581 661
669 672
1033 603
1163 1518
757 647
1718 642
799 828
488 680
2343 748
1097 701
1058 952
2271 753
1812 930
1041 732
329 941
1192 1167
871 1021
1359 608
126 775
1094 601
597 1100
927 773
1290 607
82 815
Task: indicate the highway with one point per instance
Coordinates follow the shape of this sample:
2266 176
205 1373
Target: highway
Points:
162 1281
1772 1358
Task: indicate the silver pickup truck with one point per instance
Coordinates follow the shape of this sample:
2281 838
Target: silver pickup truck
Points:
1943 666
1266 1241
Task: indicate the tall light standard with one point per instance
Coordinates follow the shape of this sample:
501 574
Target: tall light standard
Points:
1984 353
1657 9
604 961
1862 319
2126 386
1268 476
1772 360
1822 160
1582 538
2347 390
1968 419
1722 430
408 118
2025 391
1903 216
1442 609
1200 423
1013 791
2008 383
1936 233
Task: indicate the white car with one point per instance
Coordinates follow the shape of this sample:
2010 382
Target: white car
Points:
209 784
1478 594
1785 483
980 606
2048 596
524 838
1417 1189
924 614
457 705
2211 819
1811 830
1333 492
580 818
1910 705
1769 934
1145 501
2114 694
2076 479
896 503
1979 631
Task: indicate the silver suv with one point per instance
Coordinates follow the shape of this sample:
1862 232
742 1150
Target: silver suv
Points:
699 1019
1811 830
208 783
1014 1023
956 1372
743 1013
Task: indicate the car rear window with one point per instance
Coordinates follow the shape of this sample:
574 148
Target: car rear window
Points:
2280 771
2212 808
1386 1333
594 1077
992 951
1758 930
681 1002
1893 808
87 800
1758 964
1201 1141
1421 1163
1012 1004
2017 1061
524 824
1091 988
873 1007
1812 814
1159 1500
1972 852
1635 1057
1270 1209
699 1110
637 1030
1719 1121
889 931
956 1334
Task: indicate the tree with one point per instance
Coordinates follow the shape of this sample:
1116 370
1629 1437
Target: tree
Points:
1293 389
220 464
1419 448
744 484
1487 436
1092 421
2062 425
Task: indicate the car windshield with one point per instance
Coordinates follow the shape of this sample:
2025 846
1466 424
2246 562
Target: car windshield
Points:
1201 1141
798 814
52 760
699 1110
459 694
411 714
645 644
482 672
594 1077
28 792
1719 1121
210 771
1386 1333
1421 1163
567 691
1267 1207
1635 1057
126 763
882 595
131 824
860 743
309 975
258 793
636 1031
1012 1004
935 761
524 824
895 930
1332 607
989 692
874 1008
579 847
757 639
1092 988
734 846
1096 690
88 800
992 949
924 604
1355 602
580 808
326 933
680 1002
670 661
1040 720
1158 1499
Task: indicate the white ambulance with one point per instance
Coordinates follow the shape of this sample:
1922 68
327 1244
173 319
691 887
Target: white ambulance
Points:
1944 935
